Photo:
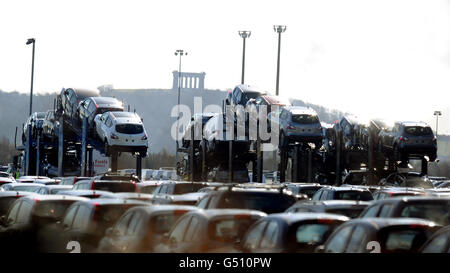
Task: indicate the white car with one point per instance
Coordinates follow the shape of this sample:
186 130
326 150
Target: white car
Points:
122 132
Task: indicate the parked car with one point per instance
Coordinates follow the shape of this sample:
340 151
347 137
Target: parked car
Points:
122 132
69 98
8 197
52 189
343 193
217 139
36 121
241 94
203 231
439 242
106 185
6 178
290 232
380 235
198 121
92 106
50 126
26 218
21 186
390 192
409 138
429 208
179 187
355 133
86 223
303 188
266 200
298 124
141 228
349 208
407 179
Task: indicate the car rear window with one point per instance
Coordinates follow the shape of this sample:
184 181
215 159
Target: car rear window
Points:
130 129
353 195
25 188
115 186
305 119
349 212
52 209
163 223
268 203
437 212
229 229
418 131
314 233
309 191
404 240
108 215
187 188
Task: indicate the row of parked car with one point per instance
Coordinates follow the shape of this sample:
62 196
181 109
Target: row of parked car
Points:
118 213
106 120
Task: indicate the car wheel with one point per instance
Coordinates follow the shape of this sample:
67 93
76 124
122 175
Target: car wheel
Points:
432 157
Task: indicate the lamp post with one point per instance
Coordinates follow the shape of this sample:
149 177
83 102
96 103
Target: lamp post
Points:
278 29
437 114
31 41
178 52
244 34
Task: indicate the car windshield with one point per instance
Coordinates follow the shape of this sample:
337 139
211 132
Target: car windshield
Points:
102 110
437 212
314 234
115 186
41 115
186 188
228 230
418 131
305 119
130 129
268 203
404 240
4 175
352 212
308 191
353 195
246 96
52 209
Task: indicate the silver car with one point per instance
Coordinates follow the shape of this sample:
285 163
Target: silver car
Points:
298 124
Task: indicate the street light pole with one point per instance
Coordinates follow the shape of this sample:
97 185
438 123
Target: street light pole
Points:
178 52
437 114
244 34
31 41
278 29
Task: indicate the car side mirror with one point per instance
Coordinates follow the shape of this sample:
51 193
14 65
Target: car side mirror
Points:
320 249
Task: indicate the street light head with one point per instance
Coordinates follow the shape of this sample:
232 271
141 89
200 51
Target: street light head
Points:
279 28
245 33
437 113
30 41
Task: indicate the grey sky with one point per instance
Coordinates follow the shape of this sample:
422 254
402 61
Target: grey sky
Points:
349 55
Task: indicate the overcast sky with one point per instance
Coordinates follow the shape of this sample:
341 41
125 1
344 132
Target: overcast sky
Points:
388 59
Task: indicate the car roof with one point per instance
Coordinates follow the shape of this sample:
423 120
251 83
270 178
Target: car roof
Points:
59 186
15 193
299 110
413 123
105 100
132 194
85 92
379 223
27 184
413 199
272 99
113 201
250 88
333 203
291 218
86 192
212 213
347 188
151 208
54 197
